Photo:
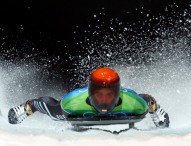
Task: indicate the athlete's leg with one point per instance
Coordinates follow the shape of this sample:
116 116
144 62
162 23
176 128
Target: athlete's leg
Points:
151 102
45 105
158 115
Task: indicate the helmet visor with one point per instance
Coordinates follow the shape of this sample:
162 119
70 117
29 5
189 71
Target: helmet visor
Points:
104 99
104 96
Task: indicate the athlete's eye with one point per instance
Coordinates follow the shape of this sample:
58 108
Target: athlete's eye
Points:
99 95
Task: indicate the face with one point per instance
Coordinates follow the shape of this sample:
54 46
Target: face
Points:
104 96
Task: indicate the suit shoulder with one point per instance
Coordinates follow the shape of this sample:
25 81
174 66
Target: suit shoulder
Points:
127 90
75 92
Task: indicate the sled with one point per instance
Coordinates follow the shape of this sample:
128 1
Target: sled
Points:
107 120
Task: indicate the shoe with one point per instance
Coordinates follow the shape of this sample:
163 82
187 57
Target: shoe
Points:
17 114
160 118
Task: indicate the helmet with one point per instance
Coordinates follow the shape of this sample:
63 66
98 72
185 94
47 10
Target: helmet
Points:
104 89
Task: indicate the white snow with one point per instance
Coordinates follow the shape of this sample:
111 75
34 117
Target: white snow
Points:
8 139
31 133
172 93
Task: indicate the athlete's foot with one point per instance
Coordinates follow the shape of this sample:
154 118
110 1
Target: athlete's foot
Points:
17 114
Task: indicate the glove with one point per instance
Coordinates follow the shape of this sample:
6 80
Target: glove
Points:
160 118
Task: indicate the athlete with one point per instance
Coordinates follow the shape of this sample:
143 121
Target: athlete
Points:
103 99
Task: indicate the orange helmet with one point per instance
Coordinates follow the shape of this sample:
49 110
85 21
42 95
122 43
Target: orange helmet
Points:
104 89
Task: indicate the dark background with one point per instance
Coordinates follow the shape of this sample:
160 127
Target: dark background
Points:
50 24
47 31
